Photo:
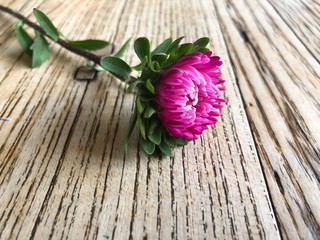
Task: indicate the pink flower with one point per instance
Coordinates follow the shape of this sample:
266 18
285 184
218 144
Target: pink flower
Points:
189 96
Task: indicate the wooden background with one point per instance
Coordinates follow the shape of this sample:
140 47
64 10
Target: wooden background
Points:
255 175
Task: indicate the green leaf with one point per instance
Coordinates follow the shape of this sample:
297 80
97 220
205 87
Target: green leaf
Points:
163 47
141 66
161 58
116 65
142 127
203 49
132 125
123 49
150 87
201 42
140 105
153 123
134 87
142 48
184 49
146 98
148 146
46 24
40 50
165 149
175 44
173 52
155 67
155 136
182 141
149 112
23 38
171 141
89 44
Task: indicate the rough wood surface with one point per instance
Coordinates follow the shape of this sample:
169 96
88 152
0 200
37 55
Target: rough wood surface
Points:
255 175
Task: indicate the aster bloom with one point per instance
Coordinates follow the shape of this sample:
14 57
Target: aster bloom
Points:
189 96
179 93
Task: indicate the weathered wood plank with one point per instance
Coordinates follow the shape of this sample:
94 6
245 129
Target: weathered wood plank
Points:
279 81
303 19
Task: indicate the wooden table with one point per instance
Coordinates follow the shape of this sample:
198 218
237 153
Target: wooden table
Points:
63 171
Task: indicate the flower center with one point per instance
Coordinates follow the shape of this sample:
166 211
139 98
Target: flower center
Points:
192 97
191 101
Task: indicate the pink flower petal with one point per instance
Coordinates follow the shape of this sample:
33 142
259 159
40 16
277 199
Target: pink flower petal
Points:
189 95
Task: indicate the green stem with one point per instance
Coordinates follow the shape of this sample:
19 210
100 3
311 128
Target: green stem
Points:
79 51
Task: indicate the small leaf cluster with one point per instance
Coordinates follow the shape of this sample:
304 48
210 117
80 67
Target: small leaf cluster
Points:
37 48
154 138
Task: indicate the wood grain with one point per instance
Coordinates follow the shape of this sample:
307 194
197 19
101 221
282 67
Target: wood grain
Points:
281 92
255 175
